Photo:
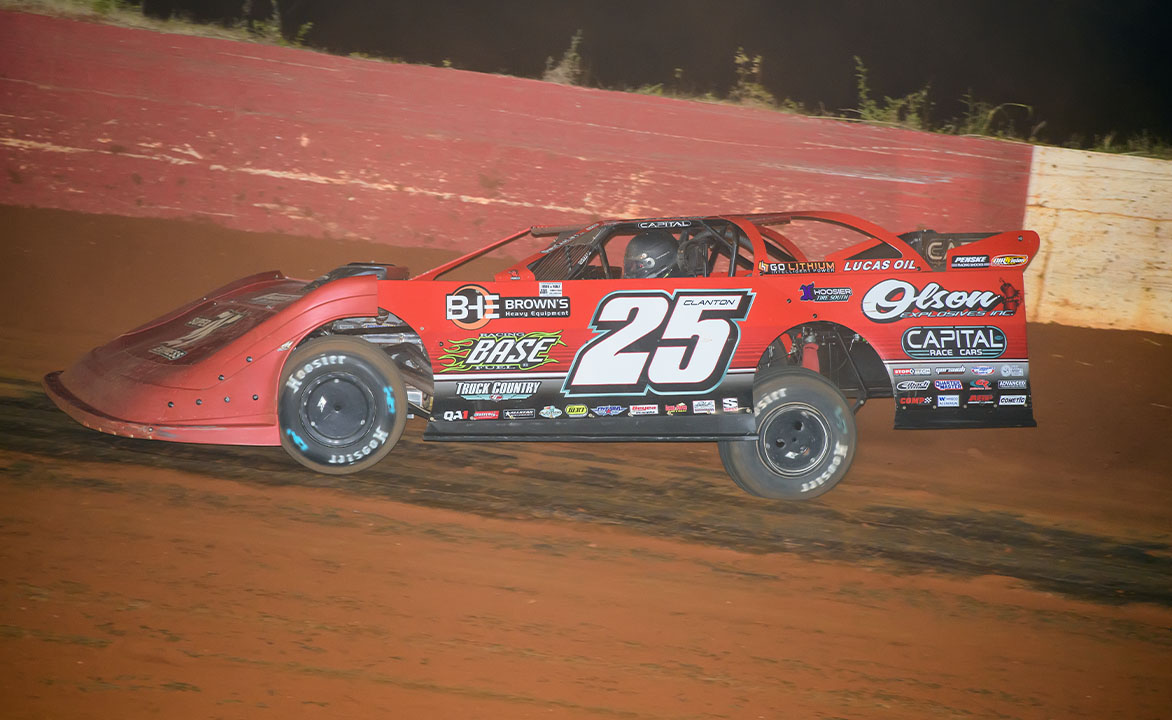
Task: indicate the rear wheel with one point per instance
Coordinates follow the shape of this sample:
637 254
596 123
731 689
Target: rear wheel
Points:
806 438
343 405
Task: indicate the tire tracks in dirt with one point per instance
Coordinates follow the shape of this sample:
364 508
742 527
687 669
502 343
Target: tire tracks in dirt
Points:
669 490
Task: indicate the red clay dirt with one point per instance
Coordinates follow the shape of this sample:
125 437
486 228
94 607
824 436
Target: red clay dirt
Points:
1009 574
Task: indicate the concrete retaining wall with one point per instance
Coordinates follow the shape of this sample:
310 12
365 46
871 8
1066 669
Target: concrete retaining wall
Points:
1106 226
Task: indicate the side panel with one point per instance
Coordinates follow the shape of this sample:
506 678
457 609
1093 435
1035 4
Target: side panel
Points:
613 358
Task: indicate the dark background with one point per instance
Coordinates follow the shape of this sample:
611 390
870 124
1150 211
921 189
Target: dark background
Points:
1086 67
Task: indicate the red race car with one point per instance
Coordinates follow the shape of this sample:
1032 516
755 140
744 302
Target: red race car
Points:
715 328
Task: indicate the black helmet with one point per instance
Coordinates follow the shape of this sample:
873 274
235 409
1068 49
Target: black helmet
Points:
650 254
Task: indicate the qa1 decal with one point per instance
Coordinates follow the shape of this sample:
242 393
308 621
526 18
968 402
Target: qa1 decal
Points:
980 341
651 341
500 351
893 300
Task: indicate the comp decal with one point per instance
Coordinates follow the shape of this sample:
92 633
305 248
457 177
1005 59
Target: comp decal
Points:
652 341
500 351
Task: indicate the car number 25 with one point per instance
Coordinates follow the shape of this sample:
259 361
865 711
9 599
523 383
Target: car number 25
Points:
659 342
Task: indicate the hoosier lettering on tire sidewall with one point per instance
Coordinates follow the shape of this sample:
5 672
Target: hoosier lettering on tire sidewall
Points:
806 438
343 405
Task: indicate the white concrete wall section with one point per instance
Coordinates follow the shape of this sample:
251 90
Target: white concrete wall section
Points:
1106 228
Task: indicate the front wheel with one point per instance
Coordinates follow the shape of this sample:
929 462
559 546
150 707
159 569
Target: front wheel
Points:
343 405
806 438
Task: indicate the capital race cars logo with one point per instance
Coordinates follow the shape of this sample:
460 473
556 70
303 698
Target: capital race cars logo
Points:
500 351
979 341
471 307
893 300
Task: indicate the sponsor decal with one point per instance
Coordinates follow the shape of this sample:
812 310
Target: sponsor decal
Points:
730 405
949 385
912 371
915 400
913 385
795 267
644 409
576 411
652 341
471 307
485 414
1012 371
535 307
1011 384
665 224
497 389
975 341
274 298
980 384
981 369
500 351
704 407
952 370
893 300
1009 260
452 415
969 261
549 289
887 264
609 410
549 411
825 294
677 408
173 349
519 413
1012 400
983 399
947 401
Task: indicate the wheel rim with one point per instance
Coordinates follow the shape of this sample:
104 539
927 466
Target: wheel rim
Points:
794 439
337 409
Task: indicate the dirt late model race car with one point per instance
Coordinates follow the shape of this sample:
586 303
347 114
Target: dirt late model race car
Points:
713 328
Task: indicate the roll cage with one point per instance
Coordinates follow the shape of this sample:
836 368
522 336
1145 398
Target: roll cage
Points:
732 245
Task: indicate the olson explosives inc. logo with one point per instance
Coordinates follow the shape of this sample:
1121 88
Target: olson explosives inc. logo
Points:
892 300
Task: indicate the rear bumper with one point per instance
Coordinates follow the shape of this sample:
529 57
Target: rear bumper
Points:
95 419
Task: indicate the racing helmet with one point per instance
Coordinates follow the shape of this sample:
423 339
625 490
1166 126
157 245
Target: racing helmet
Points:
650 254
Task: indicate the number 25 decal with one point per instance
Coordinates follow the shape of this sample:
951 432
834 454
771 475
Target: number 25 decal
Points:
653 341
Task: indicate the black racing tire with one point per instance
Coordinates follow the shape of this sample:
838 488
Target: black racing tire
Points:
342 405
806 438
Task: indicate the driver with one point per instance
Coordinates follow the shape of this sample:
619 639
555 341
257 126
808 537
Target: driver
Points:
651 254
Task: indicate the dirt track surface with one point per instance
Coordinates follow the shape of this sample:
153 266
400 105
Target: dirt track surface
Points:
1009 574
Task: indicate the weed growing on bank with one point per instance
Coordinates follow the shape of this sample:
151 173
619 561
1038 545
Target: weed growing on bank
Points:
914 111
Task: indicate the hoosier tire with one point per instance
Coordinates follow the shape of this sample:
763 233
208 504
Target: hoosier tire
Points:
342 406
806 438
